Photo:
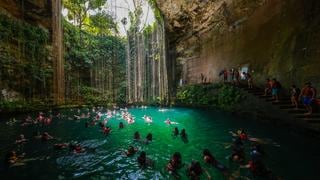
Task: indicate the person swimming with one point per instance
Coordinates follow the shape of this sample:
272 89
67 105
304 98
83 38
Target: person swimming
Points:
106 130
238 151
176 131
143 161
131 151
209 159
149 138
21 139
257 168
11 158
168 121
175 163
194 171
60 146
76 148
136 136
121 126
184 136
46 136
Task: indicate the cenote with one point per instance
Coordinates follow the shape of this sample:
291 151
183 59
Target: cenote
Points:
288 155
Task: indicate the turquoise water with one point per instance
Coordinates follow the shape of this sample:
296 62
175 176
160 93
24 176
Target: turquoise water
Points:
288 155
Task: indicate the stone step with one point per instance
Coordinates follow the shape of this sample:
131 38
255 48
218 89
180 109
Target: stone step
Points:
282 102
290 106
302 116
296 111
313 121
265 97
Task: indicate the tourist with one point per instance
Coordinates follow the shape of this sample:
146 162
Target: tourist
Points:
308 93
136 136
121 126
175 163
184 136
21 139
256 150
176 131
167 121
276 86
11 158
209 159
249 79
194 171
242 134
238 151
295 92
143 161
149 137
131 151
268 87
76 148
237 76
232 74
60 146
46 136
257 168
106 130
225 75
27 121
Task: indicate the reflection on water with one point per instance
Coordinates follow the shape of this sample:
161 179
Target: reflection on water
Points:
104 156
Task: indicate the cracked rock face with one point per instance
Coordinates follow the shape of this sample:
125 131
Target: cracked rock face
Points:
194 17
272 38
33 11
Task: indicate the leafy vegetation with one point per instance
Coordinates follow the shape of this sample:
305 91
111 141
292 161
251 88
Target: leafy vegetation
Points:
216 95
25 66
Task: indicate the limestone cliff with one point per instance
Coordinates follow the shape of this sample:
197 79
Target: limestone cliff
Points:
273 38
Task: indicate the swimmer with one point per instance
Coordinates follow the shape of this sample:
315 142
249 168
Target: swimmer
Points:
209 159
167 121
184 136
61 146
131 151
257 168
148 119
149 137
143 161
46 136
11 158
106 130
136 135
194 171
176 131
121 126
21 139
76 148
175 163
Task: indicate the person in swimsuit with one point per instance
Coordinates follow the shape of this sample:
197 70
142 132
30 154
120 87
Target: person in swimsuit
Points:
276 86
308 93
267 89
295 92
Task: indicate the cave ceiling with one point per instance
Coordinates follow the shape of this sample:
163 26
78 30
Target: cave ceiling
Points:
191 18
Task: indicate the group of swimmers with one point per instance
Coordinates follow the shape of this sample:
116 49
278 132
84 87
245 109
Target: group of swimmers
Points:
193 170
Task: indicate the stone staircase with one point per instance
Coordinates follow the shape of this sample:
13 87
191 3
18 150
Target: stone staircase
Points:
312 121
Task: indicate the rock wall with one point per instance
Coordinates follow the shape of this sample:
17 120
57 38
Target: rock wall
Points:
273 38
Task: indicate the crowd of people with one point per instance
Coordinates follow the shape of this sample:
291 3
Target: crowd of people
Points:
194 170
306 96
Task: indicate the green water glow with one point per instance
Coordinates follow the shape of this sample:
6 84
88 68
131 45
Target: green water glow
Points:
104 158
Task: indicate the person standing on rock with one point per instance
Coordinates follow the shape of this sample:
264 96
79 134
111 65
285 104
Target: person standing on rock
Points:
308 93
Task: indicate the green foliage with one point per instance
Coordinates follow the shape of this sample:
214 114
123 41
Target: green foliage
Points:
91 61
92 96
215 95
24 63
